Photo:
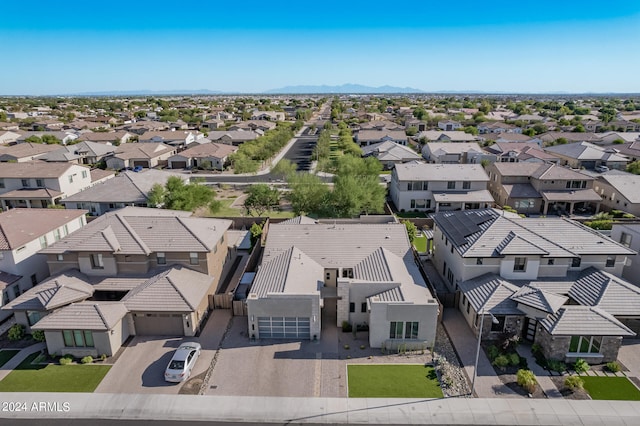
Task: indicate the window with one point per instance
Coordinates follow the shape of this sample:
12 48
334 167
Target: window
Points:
395 330
451 185
84 174
34 280
70 178
56 234
625 239
33 317
161 259
352 307
60 257
43 242
520 264
585 344
1 183
347 272
411 330
499 324
78 338
417 186
222 240
16 291
193 259
575 262
420 204
466 185
611 262
65 228
479 261
363 307
39 183
551 261
96 261
26 183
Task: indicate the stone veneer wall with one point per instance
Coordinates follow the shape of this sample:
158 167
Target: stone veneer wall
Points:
556 347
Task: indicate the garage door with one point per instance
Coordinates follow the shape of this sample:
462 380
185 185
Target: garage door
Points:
178 164
283 327
158 324
141 163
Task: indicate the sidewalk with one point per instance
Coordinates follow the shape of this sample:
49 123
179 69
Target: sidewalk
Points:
19 357
542 375
488 384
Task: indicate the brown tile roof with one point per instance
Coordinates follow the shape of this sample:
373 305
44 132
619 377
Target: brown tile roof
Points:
217 150
89 315
28 149
19 226
141 150
34 169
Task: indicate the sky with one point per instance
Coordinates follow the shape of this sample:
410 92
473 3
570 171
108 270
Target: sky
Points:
71 47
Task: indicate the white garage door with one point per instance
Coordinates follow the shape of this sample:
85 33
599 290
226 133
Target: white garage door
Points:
284 327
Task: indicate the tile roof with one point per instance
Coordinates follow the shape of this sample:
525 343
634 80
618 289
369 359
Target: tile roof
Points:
6 279
454 135
88 315
292 271
19 226
217 150
141 150
584 320
586 151
390 151
539 299
606 291
440 148
177 289
32 193
57 291
235 135
144 231
491 293
28 149
34 169
378 135
440 172
521 190
627 184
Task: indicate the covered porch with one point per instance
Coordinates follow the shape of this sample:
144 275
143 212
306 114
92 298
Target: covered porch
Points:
568 200
30 198
463 200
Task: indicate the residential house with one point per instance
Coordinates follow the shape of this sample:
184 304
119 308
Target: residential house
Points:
234 137
364 271
449 125
454 153
140 127
421 126
114 138
9 137
140 154
208 156
4 126
379 125
370 137
541 188
630 150
553 282
628 234
516 152
211 124
23 232
255 125
158 269
570 137
435 187
267 115
446 136
40 184
509 138
64 137
619 191
24 152
128 188
497 127
175 138
390 153
589 156
80 153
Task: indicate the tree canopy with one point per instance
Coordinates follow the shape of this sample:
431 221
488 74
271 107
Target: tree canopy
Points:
178 195
260 199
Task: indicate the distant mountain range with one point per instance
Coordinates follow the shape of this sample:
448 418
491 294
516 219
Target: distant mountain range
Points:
345 88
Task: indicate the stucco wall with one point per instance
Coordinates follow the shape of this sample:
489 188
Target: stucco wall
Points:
383 313
284 305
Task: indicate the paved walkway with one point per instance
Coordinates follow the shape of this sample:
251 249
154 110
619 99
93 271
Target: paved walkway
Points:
488 384
7 324
19 357
542 375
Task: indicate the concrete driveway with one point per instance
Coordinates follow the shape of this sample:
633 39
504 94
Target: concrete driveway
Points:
629 356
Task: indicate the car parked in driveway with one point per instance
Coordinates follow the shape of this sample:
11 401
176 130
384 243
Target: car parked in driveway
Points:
182 362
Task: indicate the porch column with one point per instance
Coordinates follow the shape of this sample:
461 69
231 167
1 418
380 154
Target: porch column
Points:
546 207
437 207
462 206
597 208
571 204
28 203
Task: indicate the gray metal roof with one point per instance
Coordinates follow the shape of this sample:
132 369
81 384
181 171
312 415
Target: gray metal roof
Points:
144 231
63 289
606 291
96 316
584 320
491 293
539 299
291 271
177 289
514 244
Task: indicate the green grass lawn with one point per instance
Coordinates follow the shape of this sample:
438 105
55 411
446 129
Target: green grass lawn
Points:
393 381
420 243
611 388
6 355
53 378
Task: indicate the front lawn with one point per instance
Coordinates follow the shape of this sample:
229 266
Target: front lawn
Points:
611 388
6 355
393 381
29 377
420 243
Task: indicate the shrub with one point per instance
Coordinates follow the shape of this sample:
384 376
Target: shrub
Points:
501 362
556 365
514 359
574 382
527 380
613 367
524 364
16 332
38 335
493 352
103 357
87 359
347 347
362 347
536 348
581 366
346 327
66 360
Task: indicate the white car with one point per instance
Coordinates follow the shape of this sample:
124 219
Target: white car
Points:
182 362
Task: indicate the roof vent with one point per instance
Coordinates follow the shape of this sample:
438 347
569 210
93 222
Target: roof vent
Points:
387 237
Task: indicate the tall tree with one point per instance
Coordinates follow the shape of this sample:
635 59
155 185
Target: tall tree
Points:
308 193
177 195
260 199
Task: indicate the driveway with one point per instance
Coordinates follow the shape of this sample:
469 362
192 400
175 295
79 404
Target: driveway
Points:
629 356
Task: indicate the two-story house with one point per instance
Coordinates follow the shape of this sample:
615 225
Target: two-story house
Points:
176 139
390 153
589 156
26 151
363 274
370 137
628 234
23 232
519 152
449 125
40 184
551 281
435 187
146 155
144 271
454 153
541 188
619 191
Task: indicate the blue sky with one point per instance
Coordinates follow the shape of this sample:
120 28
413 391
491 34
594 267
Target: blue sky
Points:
69 46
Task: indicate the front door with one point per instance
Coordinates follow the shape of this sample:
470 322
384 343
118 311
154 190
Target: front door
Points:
529 330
